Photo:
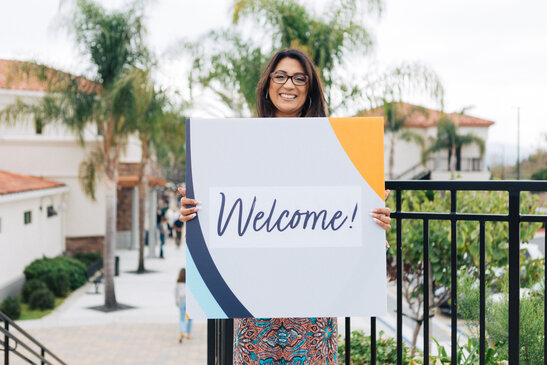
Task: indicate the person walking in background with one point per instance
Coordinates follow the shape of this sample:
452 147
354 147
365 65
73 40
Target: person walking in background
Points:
177 226
185 324
162 227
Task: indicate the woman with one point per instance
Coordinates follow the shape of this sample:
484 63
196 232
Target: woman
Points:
185 324
289 87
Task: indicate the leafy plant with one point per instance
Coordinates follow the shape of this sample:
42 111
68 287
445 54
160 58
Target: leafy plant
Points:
42 299
60 274
11 307
88 258
386 349
468 354
30 287
496 240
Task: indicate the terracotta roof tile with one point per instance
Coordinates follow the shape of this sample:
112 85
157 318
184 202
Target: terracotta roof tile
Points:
13 183
17 75
419 120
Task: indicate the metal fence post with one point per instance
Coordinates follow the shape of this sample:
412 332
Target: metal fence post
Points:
211 342
348 341
514 275
6 343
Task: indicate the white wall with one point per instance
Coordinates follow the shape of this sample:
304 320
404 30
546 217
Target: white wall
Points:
56 154
57 159
408 154
21 243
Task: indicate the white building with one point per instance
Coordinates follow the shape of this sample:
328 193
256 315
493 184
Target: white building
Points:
53 152
408 155
32 224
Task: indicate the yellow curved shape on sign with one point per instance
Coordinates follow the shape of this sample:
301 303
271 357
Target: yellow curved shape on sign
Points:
363 141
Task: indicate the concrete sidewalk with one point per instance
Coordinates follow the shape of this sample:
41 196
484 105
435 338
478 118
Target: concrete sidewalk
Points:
145 334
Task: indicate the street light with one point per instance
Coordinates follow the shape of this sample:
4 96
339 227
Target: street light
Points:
518 141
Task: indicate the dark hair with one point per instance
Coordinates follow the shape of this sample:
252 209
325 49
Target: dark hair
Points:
315 97
182 276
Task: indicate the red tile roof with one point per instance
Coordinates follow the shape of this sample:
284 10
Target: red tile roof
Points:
29 76
13 183
419 120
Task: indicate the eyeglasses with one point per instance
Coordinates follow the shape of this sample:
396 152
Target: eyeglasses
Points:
298 79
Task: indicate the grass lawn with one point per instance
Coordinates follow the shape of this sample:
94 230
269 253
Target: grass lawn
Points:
27 313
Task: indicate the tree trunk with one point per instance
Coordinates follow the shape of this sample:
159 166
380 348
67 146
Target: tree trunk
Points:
143 189
415 337
391 155
453 158
110 240
459 158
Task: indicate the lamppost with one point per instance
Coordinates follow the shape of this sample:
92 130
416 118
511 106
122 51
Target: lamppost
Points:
518 142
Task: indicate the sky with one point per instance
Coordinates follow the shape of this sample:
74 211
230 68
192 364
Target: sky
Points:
489 54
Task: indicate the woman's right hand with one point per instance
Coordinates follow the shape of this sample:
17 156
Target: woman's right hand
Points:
188 207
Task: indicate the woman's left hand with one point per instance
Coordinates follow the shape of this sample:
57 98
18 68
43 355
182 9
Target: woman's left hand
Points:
381 215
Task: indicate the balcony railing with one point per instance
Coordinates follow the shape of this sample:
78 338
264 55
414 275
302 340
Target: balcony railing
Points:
220 332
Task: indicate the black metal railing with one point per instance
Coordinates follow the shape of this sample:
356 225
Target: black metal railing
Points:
220 332
31 351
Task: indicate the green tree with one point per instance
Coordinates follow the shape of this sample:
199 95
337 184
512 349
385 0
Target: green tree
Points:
160 128
113 43
497 318
449 139
396 118
540 174
230 65
467 246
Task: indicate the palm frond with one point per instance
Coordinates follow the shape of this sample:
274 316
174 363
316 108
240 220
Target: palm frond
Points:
89 172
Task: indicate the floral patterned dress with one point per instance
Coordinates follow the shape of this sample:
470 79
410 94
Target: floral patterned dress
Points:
285 341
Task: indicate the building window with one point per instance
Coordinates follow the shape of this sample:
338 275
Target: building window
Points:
28 217
38 125
51 212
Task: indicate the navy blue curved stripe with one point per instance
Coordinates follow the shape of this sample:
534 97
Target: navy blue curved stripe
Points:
202 258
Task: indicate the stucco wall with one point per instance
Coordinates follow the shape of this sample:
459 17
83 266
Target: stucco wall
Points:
56 154
57 160
408 154
21 243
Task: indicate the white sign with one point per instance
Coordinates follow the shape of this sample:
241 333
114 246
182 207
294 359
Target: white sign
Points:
284 229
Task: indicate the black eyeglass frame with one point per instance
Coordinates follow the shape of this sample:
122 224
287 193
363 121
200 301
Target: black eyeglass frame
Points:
289 77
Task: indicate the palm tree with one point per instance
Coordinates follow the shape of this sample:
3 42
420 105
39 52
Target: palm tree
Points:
396 118
449 139
231 66
159 130
112 41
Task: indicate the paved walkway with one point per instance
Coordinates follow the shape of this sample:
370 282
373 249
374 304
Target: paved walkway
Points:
146 334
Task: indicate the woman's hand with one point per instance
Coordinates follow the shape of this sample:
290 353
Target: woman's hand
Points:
381 216
187 212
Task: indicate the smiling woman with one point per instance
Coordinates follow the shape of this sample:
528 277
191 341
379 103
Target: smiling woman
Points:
290 87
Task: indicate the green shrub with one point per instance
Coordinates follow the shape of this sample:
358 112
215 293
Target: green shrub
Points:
42 299
88 258
51 270
58 282
386 349
30 287
11 307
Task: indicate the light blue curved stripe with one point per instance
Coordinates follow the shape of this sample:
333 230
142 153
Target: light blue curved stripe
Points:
199 290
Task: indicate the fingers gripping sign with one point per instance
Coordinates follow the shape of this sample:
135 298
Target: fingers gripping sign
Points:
188 207
381 216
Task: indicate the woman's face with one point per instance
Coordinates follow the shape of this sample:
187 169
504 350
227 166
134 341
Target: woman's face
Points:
288 98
